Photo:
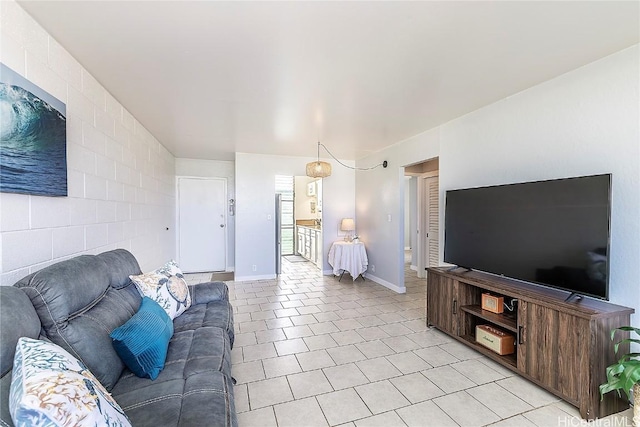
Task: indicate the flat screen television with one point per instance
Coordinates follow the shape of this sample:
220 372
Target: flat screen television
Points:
553 233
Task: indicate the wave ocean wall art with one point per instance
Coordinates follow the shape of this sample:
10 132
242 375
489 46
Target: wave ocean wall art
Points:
33 138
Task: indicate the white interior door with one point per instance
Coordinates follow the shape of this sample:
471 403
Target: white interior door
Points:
202 222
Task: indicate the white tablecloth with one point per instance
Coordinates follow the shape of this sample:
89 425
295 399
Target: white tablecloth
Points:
347 256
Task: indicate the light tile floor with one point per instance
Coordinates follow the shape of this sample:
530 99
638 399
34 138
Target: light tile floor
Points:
312 351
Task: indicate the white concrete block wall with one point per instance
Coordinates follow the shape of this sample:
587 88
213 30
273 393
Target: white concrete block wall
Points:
121 180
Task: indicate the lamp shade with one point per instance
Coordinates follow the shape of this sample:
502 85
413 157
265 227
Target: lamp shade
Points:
347 224
318 169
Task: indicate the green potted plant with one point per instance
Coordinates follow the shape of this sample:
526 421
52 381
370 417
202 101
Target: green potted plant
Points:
625 373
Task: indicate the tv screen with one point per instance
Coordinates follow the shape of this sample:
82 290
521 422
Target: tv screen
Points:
554 233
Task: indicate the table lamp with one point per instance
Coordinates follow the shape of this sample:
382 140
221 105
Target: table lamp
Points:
348 225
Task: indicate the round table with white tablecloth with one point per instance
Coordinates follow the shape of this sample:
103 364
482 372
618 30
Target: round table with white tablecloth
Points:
348 256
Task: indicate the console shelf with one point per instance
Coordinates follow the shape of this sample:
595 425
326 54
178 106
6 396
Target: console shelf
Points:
563 346
508 360
507 322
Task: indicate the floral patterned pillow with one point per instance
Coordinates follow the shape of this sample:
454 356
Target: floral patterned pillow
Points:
167 287
170 268
50 387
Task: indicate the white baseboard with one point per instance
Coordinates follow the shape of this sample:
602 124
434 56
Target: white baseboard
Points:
368 276
249 278
389 285
414 267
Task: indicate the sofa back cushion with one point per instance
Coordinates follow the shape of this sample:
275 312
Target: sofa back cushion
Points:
120 264
78 308
18 319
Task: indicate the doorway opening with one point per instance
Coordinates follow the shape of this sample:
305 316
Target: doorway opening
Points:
422 195
285 188
298 220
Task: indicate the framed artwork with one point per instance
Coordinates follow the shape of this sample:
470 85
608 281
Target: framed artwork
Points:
33 138
311 189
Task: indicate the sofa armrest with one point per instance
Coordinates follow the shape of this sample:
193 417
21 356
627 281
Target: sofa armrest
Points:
206 292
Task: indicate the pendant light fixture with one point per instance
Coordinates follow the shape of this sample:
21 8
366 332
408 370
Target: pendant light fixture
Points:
318 169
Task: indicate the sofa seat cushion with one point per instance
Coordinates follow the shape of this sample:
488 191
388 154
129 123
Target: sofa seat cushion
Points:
194 387
190 353
206 292
217 314
205 399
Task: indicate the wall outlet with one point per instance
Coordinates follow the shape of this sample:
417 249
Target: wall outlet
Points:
254 267
373 268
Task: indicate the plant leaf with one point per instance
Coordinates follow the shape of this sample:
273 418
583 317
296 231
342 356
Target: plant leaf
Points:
630 376
629 358
621 376
624 374
629 340
625 329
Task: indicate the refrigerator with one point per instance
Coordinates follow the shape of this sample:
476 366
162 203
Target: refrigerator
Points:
278 218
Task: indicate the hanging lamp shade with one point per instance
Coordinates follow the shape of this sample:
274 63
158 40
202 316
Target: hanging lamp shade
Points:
318 169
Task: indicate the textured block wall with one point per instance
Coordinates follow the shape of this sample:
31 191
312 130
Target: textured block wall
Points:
121 180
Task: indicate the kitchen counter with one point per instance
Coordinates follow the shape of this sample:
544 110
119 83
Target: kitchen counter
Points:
311 227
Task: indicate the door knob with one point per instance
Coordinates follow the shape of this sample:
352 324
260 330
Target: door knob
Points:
221 225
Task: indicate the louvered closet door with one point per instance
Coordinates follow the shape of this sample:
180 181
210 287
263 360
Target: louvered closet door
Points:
432 198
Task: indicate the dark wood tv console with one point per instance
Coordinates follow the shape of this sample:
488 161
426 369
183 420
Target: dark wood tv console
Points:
562 346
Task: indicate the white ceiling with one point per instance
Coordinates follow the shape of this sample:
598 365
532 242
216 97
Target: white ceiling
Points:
212 78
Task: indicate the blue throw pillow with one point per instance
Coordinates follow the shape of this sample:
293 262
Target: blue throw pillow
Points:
142 342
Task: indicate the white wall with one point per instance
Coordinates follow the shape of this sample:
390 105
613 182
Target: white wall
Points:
581 123
121 191
255 195
407 212
380 193
215 169
413 219
302 201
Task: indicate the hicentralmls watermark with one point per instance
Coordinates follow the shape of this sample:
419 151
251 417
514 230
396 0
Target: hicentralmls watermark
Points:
604 422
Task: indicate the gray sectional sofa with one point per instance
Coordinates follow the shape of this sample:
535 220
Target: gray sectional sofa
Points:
77 303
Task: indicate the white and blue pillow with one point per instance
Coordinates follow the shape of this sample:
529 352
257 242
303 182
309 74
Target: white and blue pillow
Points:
167 287
50 387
